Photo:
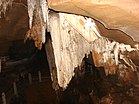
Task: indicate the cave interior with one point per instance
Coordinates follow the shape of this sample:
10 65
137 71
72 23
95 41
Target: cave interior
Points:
55 61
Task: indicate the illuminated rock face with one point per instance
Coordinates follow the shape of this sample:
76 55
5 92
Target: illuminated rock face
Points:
114 14
37 11
73 36
70 43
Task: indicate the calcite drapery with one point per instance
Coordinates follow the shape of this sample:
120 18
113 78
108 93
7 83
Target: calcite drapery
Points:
111 54
73 37
69 45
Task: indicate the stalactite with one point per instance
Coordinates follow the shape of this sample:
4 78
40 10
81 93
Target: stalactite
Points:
38 12
73 36
70 44
110 53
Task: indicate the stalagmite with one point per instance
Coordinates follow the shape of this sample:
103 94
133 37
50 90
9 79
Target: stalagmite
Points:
40 78
3 98
30 78
15 89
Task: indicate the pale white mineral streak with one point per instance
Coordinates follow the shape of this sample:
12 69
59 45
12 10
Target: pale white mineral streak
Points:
71 40
41 7
69 44
113 50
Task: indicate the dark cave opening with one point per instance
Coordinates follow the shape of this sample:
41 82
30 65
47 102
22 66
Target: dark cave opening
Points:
23 59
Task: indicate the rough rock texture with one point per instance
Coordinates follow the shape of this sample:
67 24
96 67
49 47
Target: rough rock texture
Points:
69 45
37 10
15 21
73 37
112 55
115 14
13 25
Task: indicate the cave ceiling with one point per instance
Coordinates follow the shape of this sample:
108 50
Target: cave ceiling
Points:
114 14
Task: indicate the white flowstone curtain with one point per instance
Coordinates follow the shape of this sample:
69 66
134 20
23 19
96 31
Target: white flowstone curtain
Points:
69 45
